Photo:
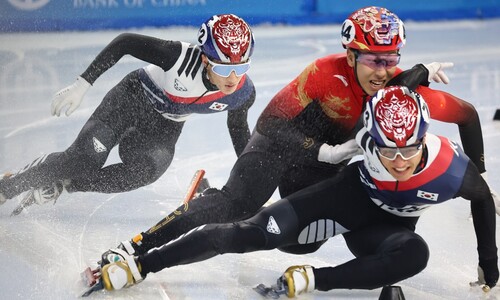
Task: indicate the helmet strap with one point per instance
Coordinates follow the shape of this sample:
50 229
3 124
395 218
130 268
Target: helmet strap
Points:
355 70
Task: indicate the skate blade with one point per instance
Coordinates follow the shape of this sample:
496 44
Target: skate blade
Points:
269 292
193 186
27 200
90 276
96 287
486 288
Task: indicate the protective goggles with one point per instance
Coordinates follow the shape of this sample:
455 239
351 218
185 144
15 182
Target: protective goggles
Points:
376 61
225 70
406 153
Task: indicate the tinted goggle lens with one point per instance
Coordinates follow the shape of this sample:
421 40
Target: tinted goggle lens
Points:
406 152
225 70
375 61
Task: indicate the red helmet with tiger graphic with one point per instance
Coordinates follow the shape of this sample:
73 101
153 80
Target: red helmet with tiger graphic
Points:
374 29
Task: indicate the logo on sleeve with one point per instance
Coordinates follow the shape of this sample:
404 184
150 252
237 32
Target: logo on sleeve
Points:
427 195
179 86
98 146
342 78
218 106
272 226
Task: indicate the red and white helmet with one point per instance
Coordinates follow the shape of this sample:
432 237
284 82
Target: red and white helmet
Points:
396 117
226 38
373 29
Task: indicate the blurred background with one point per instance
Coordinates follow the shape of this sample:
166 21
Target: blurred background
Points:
50 15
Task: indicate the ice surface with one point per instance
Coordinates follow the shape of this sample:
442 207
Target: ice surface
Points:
43 250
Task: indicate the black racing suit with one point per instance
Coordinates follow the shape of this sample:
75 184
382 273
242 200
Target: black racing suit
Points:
386 248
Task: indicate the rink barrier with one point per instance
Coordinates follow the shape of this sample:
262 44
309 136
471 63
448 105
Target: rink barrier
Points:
64 15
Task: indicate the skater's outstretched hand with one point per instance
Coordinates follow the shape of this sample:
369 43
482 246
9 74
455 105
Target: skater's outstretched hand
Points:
336 154
70 96
436 71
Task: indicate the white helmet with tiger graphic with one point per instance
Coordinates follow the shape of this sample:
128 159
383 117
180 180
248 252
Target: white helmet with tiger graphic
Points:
226 38
396 117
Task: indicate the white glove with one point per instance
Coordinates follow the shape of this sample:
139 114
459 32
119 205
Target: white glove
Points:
436 72
336 154
71 95
496 198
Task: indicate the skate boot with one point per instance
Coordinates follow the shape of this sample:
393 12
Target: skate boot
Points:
91 276
298 280
295 281
40 196
121 274
115 255
49 193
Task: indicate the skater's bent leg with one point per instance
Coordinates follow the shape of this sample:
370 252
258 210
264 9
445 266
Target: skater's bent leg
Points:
203 243
123 177
385 255
253 180
145 156
248 188
210 240
86 155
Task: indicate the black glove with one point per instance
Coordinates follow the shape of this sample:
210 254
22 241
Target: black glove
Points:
488 272
412 78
